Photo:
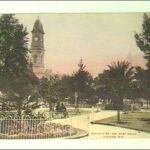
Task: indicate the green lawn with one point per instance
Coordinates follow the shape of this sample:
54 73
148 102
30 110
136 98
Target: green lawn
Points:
138 120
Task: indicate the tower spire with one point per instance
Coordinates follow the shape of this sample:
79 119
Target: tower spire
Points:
37 47
38 27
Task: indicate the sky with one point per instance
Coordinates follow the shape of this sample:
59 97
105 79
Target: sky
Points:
99 38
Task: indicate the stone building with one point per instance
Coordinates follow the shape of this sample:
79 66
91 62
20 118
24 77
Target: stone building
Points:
37 48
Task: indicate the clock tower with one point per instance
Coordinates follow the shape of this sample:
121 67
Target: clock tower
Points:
37 48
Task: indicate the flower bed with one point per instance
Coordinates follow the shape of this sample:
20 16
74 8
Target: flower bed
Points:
33 129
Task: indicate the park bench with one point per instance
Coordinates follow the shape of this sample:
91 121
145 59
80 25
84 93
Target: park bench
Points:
59 114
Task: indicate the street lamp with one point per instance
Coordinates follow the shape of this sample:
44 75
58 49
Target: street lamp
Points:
76 101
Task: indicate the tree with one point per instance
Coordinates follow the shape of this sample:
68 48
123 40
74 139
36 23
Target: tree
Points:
65 89
16 75
116 82
20 89
49 90
13 48
143 83
82 81
43 88
143 39
101 90
143 42
53 92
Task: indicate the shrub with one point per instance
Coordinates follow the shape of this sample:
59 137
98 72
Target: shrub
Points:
127 107
28 112
109 107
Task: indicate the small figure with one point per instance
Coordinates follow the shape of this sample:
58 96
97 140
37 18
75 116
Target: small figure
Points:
58 107
64 110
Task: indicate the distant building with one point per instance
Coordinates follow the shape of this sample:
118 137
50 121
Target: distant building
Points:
37 51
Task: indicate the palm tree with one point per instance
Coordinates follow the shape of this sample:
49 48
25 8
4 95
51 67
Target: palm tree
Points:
117 80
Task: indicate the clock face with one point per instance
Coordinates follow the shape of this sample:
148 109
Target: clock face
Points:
36 39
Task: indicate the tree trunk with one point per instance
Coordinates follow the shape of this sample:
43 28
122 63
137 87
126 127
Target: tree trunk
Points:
50 106
119 107
118 115
147 104
50 109
19 108
19 115
19 111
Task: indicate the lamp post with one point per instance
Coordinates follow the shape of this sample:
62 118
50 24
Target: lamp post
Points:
76 102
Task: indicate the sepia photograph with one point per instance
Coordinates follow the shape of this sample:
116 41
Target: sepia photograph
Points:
74 76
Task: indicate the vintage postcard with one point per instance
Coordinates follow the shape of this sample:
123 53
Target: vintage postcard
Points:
83 75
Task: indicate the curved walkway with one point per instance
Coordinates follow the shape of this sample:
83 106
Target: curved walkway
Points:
97 131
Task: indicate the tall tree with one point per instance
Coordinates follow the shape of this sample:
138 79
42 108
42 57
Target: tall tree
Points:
49 90
65 89
82 80
143 39
16 75
116 82
13 47
143 83
143 42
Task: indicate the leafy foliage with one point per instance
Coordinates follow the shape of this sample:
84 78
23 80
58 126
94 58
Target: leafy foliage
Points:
13 48
82 81
116 82
16 76
143 42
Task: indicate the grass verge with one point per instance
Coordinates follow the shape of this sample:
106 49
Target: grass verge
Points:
137 120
